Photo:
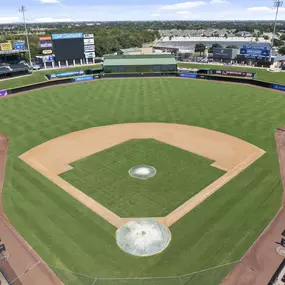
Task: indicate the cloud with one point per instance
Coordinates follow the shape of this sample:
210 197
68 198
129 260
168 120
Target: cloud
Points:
260 9
50 1
219 2
155 15
184 5
9 19
51 20
183 12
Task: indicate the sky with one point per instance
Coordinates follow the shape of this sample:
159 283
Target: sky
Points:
138 10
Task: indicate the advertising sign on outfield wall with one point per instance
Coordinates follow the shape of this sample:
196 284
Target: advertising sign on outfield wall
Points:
278 87
66 74
234 73
3 93
83 78
188 75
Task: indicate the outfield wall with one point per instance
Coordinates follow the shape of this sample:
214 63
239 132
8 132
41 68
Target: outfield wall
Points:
274 86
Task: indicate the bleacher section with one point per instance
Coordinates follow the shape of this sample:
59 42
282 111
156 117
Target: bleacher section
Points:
15 69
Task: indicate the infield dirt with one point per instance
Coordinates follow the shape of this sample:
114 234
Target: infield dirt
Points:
229 153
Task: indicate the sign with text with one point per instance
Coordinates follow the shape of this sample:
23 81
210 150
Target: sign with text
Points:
45 44
47 51
88 36
6 46
188 75
83 78
234 73
3 93
89 48
67 36
48 58
65 74
19 45
90 54
89 41
262 51
48 38
278 87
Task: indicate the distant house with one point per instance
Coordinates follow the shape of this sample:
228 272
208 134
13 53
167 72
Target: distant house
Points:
244 34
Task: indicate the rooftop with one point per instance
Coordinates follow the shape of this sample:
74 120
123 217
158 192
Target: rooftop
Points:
159 59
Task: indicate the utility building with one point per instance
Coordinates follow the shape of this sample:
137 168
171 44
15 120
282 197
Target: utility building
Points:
161 63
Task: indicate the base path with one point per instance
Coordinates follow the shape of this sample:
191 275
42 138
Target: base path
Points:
261 261
24 266
229 153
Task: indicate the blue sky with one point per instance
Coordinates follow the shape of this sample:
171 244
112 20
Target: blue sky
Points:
108 10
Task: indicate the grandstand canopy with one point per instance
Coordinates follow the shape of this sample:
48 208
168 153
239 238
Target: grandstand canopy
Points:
7 52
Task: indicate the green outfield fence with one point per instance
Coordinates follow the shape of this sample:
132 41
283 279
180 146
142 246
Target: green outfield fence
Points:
229 79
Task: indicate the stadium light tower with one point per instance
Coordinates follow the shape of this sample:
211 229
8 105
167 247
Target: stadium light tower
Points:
277 4
23 10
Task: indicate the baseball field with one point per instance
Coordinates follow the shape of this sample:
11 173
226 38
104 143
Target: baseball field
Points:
85 138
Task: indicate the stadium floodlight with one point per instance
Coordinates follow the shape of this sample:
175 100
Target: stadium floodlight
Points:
277 4
23 10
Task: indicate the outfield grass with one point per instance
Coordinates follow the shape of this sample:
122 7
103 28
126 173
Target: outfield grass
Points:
70 236
261 74
180 175
38 76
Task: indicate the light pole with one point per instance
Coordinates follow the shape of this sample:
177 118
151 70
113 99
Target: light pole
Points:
277 4
23 10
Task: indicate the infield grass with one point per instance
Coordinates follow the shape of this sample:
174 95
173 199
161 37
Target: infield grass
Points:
180 175
68 235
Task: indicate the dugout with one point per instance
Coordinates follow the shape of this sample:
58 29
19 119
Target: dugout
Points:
154 63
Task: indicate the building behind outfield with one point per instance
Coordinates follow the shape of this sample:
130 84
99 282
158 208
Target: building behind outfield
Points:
161 63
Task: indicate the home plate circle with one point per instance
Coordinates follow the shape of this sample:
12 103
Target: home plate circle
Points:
142 171
143 237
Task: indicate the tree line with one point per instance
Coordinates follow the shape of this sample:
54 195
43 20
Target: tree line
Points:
107 40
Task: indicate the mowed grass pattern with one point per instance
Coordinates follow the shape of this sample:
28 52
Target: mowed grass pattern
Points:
104 177
69 236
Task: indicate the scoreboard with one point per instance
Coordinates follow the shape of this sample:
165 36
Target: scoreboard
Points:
69 46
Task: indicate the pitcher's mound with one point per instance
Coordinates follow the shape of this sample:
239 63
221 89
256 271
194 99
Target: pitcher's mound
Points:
142 171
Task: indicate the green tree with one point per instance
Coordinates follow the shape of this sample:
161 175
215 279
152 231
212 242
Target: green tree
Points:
278 43
266 37
200 48
282 37
281 50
